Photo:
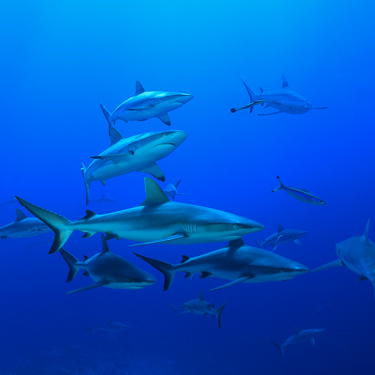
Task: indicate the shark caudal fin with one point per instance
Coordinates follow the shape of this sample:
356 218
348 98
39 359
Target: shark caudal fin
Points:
218 313
59 224
253 97
165 268
71 261
87 184
279 187
278 346
107 116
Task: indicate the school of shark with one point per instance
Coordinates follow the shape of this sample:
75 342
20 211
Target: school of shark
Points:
162 219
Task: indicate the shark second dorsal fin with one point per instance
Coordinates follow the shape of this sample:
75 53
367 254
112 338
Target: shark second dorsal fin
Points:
154 194
365 235
138 88
85 257
279 228
20 215
105 248
235 244
115 135
201 298
185 258
285 82
89 215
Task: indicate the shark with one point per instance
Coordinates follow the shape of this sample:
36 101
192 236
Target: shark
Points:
12 201
107 269
285 100
103 199
299 337
111 326
23 226
137 153
145 105
282 236
171 190
358 255
236 262
300 194
200 306
156 220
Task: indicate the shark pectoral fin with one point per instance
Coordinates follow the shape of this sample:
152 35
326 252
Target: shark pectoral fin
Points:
116 158
167 239
335 263
312 342
154 170
92 286
268 114
165 118
238 281
298 242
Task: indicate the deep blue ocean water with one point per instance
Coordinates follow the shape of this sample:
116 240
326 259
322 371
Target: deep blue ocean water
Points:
60 60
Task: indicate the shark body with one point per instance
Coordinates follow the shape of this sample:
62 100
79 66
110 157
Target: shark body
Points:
12 201
103 199
171 189
111 327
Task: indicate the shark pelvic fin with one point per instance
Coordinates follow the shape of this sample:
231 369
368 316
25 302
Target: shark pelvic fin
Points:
238 281
285 82
20 215
154 194
155 171
138 88
365 235
165 118
170 238
92 286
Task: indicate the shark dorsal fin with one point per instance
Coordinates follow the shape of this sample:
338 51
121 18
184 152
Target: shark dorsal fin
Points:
234 244
20 215
285 82
138 88
89 215
154 194
185 258
85 257
115 135
105 248
365 235
279 228
201 298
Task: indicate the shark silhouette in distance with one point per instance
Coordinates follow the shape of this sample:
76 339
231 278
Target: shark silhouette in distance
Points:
236 262
103 199
156 220
200 306
171 190
12 201
23 226
357 254
285 100
282 236
137 153
111 327
145 105
107 269
300 194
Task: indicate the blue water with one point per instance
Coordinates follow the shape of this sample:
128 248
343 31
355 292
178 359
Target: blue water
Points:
60 60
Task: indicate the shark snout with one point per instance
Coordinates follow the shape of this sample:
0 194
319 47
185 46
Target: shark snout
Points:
174 138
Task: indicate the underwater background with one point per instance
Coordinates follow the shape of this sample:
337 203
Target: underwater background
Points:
60 60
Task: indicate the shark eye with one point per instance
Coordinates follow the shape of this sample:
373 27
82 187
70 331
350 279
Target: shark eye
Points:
235 226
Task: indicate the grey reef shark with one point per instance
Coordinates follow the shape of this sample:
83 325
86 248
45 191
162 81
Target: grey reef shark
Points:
145 105
307 335
103 199
156 220
200 306
357 254
300 194
137 153
111 327
282 236
171 190
12 201
285 100
23 226
236 262
107 269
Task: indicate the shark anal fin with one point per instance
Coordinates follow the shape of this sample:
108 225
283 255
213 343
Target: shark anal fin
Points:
154 170
238 281
165 118
167 239
92 286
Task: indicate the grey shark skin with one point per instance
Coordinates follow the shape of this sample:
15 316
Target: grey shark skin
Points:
200 306
282 236
23 226
137 153
236 262
171 190
299 337
300 194
145 105
111 326
107 269
358 254
103 199
284 100
12 201
156 220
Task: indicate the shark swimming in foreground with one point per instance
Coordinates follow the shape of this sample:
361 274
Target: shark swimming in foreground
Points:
156 220
147 104
111 326
299 337
12 201
137 153
300 194
171 190
237 262
357 254
107 269
23 226
200 306
282 236
284 100
103 199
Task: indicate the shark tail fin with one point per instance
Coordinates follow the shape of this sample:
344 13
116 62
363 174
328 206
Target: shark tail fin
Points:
72 263
167 269
281 186
87 184
252 95
175 308
90 330
279 346
107 115
219 311
59 224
